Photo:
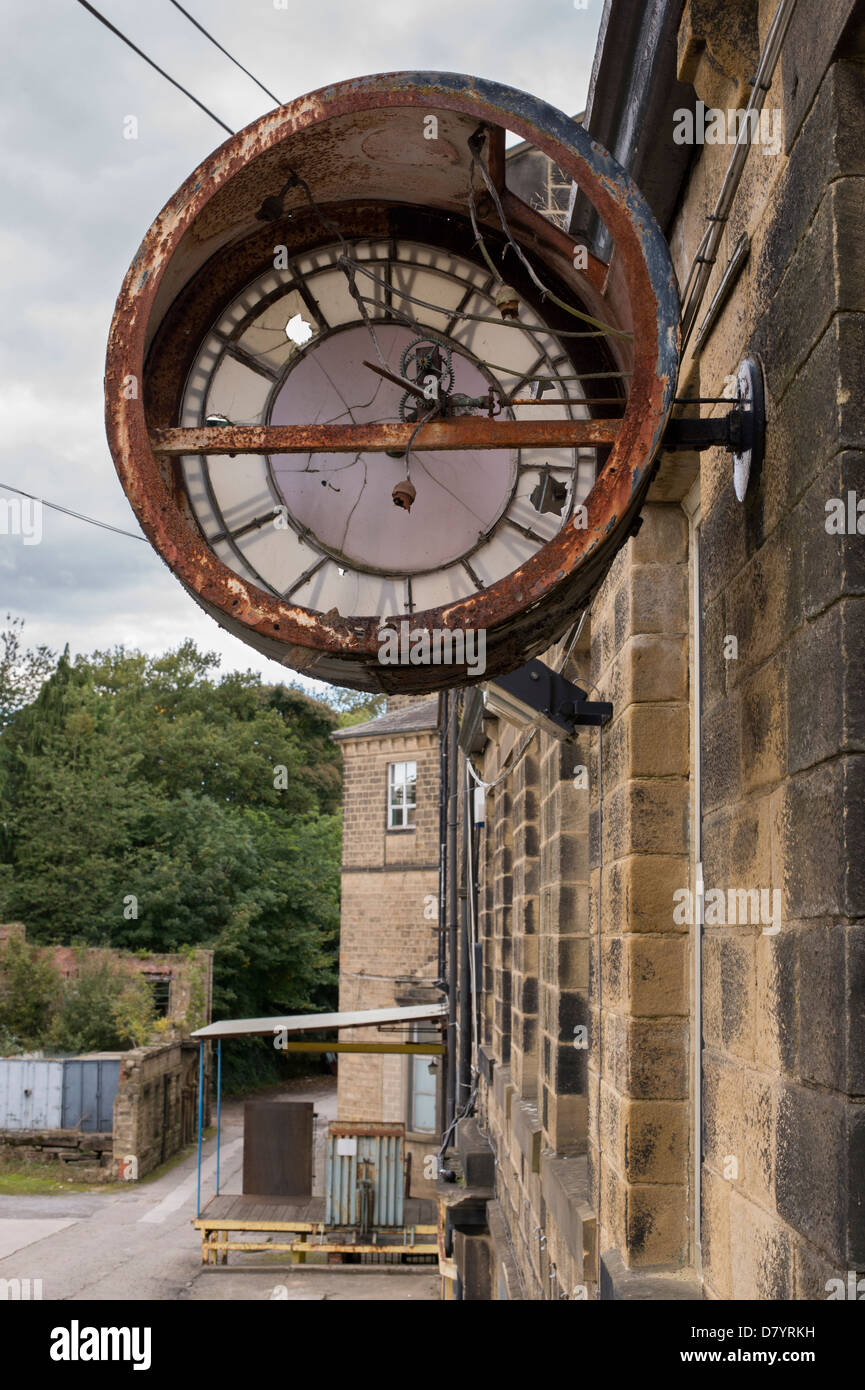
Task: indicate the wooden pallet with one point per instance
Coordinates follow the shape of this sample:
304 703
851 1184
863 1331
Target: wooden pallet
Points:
301 1218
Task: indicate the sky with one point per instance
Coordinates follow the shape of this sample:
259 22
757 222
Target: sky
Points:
78 197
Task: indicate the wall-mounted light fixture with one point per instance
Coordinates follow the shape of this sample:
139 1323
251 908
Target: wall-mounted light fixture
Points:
536 696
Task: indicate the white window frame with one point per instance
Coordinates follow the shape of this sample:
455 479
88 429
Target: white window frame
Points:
401 808
419 1033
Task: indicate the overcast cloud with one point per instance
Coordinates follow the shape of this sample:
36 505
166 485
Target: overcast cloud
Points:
78 198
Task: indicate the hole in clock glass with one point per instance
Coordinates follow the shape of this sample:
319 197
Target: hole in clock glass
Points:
298 330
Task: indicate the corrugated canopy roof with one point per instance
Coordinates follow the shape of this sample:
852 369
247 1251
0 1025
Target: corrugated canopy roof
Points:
307 1023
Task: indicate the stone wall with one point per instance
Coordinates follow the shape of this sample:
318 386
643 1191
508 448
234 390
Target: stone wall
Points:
709 1142
156 1107
187 978
638 1141
89 1155
784 729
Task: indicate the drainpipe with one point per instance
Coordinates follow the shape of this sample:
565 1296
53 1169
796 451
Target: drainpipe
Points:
441 966
466 1002
701 268
451 870
443 821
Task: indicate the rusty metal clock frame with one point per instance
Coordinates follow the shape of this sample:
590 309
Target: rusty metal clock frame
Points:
360 146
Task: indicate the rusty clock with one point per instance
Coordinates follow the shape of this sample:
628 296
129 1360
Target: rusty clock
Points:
353 380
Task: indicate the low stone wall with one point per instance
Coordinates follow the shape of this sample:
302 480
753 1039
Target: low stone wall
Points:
88 1155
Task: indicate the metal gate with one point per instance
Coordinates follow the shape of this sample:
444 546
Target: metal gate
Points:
31 1093
89 1088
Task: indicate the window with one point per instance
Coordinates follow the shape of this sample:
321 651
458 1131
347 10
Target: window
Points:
424 1072
401 799
160 987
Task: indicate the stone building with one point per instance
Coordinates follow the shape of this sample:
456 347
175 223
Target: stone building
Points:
389 917
690 908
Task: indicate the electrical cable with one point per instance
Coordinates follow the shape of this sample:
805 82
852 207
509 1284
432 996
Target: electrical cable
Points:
200 104
479 240
228 55
79 516
477 159
345 261
706 254
415 432
460 1115
475 318
427 331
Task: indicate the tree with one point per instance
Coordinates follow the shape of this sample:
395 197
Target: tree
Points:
150 805
355 706
102 1009
29 991
22 671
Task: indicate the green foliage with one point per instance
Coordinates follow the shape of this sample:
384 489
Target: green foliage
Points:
29 994
102 1009
22 670
355 706
150 806
133 1012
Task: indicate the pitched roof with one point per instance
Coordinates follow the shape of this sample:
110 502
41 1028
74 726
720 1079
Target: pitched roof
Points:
408 720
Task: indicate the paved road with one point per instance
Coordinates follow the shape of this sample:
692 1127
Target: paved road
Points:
138 1244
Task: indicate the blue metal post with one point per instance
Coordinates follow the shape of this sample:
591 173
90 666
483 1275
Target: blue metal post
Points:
200 1120
218 1104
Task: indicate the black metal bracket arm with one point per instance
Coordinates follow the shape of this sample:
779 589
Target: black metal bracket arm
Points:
741 432
594 712
733 432
536 694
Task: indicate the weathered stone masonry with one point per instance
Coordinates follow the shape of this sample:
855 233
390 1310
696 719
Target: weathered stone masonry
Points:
710 1141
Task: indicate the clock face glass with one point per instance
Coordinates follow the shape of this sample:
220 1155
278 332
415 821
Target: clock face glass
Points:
321 529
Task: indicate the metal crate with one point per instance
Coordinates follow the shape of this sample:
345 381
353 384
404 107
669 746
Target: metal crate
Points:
365 1175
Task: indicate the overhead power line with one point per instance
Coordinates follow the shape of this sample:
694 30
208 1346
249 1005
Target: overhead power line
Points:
200 104
79 516
228 55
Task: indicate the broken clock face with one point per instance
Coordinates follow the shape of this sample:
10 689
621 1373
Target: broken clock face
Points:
379 532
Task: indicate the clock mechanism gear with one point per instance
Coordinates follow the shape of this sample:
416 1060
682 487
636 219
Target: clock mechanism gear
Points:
426 361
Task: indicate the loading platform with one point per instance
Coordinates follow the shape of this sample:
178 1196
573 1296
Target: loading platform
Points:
302 1222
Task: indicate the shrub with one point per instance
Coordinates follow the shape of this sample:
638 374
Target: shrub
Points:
30 992
102 1009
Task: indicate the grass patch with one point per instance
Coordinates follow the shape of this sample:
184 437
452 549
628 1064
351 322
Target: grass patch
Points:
19 1178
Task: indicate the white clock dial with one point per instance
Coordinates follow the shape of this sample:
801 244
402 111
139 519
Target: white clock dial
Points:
321 529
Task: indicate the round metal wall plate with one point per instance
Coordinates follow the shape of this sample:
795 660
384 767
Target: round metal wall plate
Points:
750 394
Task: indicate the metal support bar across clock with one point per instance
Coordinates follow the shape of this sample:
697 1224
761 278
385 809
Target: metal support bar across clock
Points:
464 432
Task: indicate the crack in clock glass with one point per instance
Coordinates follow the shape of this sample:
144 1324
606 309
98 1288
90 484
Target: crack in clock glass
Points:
319 528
